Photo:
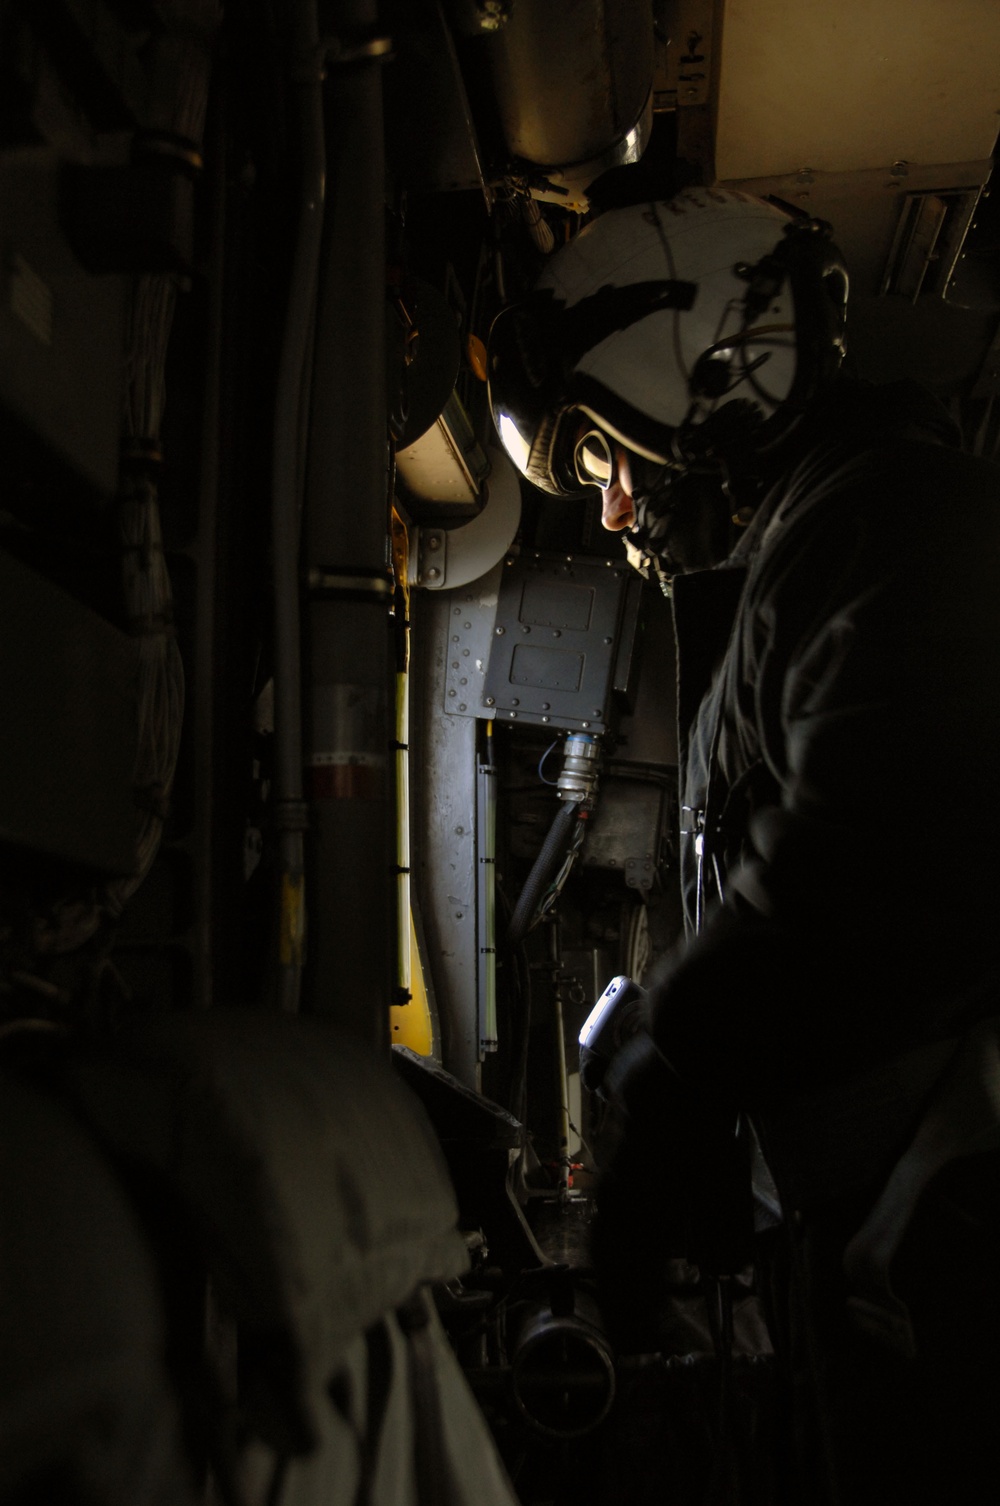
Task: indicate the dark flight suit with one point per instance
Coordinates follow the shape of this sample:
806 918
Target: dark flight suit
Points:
839 696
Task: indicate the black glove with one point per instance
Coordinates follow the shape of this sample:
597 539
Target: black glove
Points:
675 1185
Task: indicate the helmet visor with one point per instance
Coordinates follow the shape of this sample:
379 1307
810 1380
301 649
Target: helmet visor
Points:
527 389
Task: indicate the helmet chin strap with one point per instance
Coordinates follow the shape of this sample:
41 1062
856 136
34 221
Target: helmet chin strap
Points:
646 561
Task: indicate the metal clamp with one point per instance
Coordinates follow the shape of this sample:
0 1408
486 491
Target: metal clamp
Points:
346 583
696 825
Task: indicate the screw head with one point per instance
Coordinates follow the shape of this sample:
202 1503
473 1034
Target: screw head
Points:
434 542
582 724
433 573
490 700
500 632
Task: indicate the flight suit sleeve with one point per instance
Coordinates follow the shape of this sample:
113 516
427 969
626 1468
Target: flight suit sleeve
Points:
858 921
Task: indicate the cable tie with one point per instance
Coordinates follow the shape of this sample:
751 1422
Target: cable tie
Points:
141 450
350 583
153 625
146 547
341 54
180 150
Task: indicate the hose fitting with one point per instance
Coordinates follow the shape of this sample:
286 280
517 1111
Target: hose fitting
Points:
581 762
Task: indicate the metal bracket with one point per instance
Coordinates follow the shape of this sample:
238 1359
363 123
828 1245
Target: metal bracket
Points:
432 558
640 872
458 556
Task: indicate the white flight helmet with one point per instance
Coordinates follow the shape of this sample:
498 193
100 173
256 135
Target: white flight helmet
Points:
687 330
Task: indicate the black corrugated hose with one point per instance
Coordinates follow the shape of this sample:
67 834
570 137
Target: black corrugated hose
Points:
547 864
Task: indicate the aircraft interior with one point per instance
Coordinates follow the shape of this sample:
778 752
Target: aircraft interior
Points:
338 762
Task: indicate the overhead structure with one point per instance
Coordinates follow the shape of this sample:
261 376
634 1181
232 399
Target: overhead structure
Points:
574 90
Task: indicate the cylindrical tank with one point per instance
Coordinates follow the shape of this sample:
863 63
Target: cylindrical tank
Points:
573 83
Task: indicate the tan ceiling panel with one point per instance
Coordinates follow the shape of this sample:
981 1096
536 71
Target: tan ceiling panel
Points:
837 87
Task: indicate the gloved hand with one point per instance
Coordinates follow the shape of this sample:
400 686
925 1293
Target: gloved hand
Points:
675 1184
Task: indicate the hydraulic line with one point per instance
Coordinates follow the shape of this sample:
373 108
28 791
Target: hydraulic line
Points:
290 811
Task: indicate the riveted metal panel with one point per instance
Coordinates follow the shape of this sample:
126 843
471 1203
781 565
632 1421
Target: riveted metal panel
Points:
467 634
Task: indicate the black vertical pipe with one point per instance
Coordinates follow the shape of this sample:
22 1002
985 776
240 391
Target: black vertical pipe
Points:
290 816
351 968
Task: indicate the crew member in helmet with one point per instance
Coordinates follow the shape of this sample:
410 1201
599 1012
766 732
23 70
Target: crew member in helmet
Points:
834 561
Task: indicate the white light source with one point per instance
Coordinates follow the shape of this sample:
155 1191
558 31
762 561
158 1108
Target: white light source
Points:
517 448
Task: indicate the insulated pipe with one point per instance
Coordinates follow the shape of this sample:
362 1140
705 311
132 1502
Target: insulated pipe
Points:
290 812
353 947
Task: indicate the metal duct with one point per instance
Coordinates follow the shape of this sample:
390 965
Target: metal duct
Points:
562 1374
573 84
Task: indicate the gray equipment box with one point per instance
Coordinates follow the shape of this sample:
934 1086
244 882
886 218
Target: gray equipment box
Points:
562 641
